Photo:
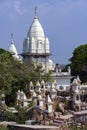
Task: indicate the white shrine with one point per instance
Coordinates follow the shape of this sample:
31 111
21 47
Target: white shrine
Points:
12 49
62 78
21 99
49 104
36 46
76 94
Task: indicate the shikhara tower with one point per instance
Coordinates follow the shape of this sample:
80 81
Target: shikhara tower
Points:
36 47
12 49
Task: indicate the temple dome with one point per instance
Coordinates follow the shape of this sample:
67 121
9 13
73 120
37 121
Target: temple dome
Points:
36 29
36 46
12 49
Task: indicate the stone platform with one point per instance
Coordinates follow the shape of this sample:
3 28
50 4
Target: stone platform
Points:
31 127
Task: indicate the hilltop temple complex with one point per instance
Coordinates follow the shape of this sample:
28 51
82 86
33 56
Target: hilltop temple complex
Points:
51 100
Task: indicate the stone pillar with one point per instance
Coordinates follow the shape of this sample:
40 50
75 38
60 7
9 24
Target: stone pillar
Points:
76 94
40 102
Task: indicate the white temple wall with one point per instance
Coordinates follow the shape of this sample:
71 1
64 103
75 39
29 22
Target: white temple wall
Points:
64 81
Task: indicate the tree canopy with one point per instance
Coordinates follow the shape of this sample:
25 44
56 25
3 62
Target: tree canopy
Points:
79 62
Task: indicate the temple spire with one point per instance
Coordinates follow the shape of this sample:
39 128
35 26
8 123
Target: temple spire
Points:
11 35
35 12
12 49
12 41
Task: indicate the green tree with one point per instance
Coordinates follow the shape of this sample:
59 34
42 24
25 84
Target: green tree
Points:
5 74
79 62
14 75
22 117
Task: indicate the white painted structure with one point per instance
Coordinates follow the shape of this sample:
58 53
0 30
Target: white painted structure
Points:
49 104
41 102
38 87
12 49
62 78
53 91
76 93
22 99
36 46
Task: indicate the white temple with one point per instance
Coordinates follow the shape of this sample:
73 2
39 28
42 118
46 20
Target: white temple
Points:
36 46
62 79
12 49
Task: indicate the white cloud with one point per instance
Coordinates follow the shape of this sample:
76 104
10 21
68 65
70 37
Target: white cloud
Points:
11 7
17 7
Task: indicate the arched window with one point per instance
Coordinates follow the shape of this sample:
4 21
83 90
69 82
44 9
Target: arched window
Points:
40 45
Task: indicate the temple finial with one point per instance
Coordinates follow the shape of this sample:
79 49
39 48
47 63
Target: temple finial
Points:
35 11
11 37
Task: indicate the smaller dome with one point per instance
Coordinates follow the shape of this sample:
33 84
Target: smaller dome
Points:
31 84
12 49
75 82
34 94
42 82
38 84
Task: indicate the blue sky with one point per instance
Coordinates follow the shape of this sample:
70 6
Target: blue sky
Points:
64 23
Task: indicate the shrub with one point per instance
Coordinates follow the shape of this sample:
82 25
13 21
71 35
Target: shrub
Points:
3 127
21 116
10 115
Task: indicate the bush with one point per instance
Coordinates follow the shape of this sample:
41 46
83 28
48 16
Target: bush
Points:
29 114
3 128
10 116
21 116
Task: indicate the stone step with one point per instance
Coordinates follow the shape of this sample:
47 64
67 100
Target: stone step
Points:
56 124
59 119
